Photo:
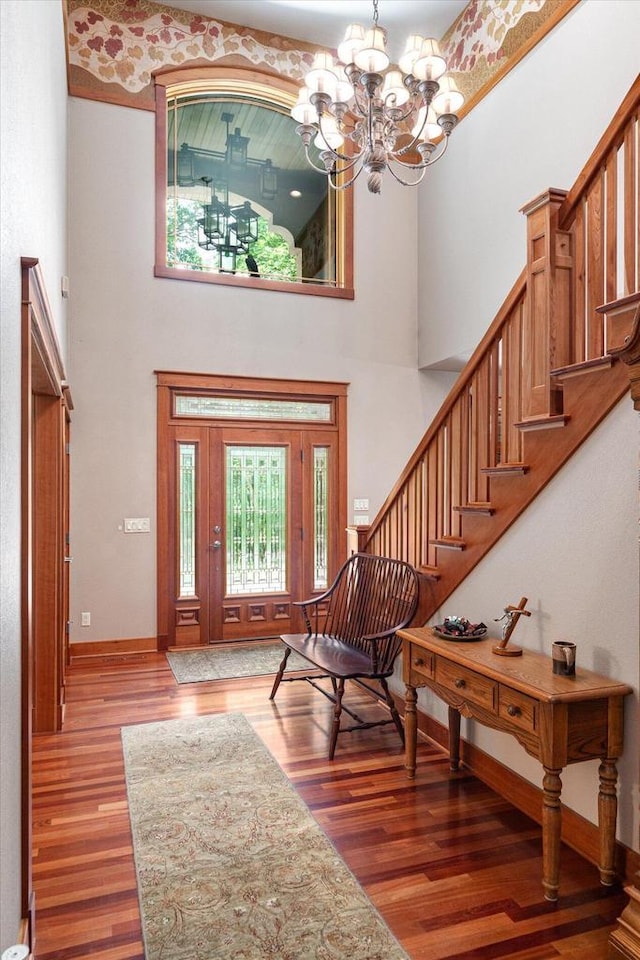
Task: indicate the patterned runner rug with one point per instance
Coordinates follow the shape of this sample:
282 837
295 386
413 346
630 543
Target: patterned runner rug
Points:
231 864
226 663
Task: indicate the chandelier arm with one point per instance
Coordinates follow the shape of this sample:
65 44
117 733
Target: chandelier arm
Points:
405 116
352 161
361 103
424 163
343 186
334 153
416 136
407 183
311 163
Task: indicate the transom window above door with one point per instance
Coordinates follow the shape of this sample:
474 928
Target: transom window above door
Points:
237 202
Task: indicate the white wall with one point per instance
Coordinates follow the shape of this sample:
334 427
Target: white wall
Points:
33 104
574 553
536 129
125 323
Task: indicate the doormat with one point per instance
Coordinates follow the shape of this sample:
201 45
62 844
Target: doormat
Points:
231 864
222 663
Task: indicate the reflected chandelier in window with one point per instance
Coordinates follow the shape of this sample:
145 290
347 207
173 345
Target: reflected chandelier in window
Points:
227 229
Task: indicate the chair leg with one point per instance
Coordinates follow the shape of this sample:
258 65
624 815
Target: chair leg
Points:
392 708
335 729
283 665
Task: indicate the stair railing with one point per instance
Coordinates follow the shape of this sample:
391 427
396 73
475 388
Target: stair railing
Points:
583 252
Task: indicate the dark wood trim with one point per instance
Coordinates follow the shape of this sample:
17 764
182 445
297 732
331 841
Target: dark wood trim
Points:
44 406
266 386
112 648
205 432
310 289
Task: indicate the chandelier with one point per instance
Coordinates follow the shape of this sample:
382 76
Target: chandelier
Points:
228 229
391 117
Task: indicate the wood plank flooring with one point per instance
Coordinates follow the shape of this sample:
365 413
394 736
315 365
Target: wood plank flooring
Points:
451 866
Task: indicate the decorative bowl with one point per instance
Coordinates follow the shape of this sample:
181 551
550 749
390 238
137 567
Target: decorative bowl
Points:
461 629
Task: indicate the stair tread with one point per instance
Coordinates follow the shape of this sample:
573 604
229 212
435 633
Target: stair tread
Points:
577 369
481 508
543 423
505 468
448 543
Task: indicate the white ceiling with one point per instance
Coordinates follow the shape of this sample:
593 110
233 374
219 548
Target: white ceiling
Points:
324 21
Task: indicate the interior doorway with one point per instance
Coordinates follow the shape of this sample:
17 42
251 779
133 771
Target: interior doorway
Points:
251 504
45 418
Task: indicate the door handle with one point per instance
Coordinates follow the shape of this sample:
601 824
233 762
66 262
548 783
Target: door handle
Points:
68 559
216 544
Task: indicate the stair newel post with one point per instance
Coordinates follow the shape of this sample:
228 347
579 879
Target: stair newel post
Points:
547 317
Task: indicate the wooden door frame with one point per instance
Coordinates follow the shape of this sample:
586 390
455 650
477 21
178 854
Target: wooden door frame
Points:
45 406
171 382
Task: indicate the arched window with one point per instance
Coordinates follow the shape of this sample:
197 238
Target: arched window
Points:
236 201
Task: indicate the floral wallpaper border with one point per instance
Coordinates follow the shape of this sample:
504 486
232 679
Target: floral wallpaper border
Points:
114 47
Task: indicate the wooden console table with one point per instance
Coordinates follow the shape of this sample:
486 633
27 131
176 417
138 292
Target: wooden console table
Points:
558 720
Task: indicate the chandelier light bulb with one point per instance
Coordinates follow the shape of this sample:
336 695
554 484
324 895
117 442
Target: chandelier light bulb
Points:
321 78
373 57
394 92
344 87
429 130
303 111
430 65
328 137
352 44
411 53
448 98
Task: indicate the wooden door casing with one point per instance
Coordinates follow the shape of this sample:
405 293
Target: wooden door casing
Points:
45 414
210 614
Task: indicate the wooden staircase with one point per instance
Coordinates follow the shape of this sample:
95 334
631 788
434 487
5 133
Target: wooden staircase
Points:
544 376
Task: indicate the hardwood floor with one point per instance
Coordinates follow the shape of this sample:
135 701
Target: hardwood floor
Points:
451 866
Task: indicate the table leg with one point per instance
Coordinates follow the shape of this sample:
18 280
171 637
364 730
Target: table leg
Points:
607 813
410 730
454 739
551 830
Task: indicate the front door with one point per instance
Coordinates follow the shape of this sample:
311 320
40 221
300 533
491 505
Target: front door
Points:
251 514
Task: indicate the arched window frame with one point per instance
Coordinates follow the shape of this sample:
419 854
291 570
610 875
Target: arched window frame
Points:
277 91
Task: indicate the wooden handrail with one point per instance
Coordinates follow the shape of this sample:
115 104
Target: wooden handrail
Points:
471 367
611 139
490 449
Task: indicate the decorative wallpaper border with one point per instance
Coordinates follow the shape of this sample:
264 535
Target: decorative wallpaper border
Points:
114 47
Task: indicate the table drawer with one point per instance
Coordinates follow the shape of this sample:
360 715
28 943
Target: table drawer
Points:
422 661
518 709
469 684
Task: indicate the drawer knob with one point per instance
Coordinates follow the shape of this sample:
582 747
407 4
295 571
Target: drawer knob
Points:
513 711
419 662
460 683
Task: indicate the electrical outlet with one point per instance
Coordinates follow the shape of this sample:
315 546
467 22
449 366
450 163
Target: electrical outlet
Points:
85 619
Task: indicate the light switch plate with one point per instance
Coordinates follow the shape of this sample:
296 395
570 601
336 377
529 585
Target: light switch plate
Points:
137 525
361 504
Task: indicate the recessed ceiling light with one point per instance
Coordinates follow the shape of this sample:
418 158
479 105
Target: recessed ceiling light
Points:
295 193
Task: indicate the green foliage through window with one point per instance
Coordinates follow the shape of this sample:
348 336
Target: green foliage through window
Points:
270 251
